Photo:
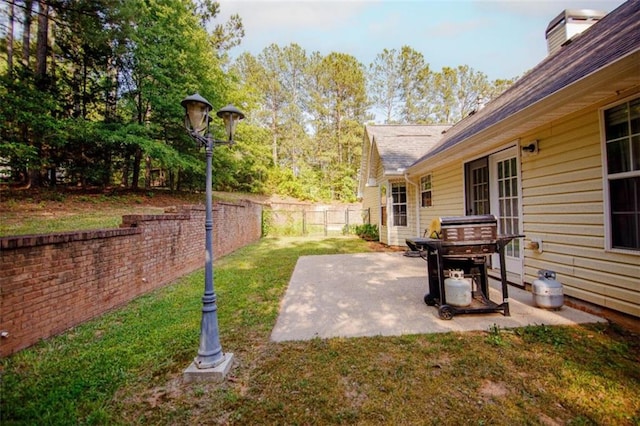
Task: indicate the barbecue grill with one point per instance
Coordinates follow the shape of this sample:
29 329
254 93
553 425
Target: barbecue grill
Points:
465 244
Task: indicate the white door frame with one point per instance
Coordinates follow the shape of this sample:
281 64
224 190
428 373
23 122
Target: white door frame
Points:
514 264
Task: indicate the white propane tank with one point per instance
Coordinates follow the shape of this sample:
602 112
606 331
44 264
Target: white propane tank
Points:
547 291
457 289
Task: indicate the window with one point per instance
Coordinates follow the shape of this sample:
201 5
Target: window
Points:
622 136
425 191
399 195
383 205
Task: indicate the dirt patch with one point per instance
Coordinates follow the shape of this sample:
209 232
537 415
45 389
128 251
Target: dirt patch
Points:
379 247
548 421
492 390
354 396
627 322
160 395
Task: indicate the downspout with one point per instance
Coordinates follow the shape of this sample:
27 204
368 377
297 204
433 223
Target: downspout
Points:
417 199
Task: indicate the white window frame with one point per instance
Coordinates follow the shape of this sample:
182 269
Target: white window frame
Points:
608 238
423 190
394 204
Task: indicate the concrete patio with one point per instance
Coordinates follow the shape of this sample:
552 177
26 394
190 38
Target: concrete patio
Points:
370 294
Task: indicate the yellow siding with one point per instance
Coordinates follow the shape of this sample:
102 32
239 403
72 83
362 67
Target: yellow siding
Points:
371 197
562 189
447 194
371 201
398 234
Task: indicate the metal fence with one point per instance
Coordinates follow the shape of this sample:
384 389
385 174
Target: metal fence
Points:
302 222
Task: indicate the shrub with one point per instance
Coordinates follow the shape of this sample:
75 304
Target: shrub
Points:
368 232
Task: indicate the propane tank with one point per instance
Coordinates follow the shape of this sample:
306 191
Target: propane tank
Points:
547 291
457 289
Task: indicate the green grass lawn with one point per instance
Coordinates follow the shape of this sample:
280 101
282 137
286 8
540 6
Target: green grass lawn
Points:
126 367
46 211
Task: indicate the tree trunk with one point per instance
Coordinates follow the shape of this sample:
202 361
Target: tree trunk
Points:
75 89
10 40
172 175
84 86
34 178
53 181
274 144
106 178
42 44
147 172
125 171
112 91
137 159
338 134
26 32
52 42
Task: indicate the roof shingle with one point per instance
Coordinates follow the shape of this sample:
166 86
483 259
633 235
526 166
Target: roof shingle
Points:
399 146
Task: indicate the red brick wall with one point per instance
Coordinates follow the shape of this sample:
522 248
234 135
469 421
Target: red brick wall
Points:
50 283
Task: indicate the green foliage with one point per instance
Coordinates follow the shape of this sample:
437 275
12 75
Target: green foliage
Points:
313 108
405 90
284 182
267 222
494 336
109 109
367 232
544 334
349 229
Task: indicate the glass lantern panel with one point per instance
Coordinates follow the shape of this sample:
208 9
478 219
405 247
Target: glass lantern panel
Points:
197 113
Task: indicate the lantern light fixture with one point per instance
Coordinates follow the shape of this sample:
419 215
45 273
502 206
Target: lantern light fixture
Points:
211 363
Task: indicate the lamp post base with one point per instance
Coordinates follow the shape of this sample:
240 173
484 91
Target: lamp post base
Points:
216 374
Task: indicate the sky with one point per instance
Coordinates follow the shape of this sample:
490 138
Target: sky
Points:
502 39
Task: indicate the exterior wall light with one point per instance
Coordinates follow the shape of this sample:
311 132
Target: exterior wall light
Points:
532 148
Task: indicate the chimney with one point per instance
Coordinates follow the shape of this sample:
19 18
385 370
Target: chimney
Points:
568 24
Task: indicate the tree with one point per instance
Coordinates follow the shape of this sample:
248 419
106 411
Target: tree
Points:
224 36
415 86
10 30
26 32
277 75
384 84
42 44
462 90
445 89
339 104
105 86
166 41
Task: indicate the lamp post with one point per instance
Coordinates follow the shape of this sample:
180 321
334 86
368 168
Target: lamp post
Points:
211 362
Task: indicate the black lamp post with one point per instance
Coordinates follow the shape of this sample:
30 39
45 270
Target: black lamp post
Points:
197 108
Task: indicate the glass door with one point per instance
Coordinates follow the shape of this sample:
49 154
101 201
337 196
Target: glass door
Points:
477 187
505 196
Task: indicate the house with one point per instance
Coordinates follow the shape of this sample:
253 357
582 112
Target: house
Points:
556 157
387 153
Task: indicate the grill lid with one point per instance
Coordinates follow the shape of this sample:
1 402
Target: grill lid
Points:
468 220
468 228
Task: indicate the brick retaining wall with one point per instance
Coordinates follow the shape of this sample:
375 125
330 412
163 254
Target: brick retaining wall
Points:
50 283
